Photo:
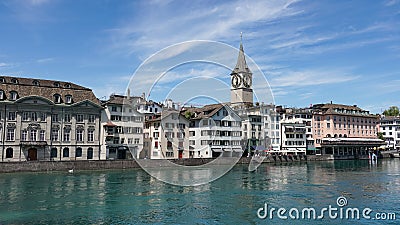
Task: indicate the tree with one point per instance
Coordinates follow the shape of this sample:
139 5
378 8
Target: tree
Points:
380 136
392 111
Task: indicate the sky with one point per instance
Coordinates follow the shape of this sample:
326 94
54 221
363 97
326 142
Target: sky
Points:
307 52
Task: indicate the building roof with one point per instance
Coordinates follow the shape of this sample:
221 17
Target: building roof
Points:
25 87
206 111
340 109
241 65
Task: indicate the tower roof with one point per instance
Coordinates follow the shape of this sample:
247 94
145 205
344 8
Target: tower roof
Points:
241 65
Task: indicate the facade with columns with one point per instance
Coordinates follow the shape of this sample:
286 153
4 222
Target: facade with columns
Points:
48 120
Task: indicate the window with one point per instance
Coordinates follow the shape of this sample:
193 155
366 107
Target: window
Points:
92 118
25 116
56 84
90 153
68 99
67 118
10 134
11 115
14 81
24 135
138 130
79 135
53 153
54 134
90 135
1 95
9 153
130 141
156 144
34 116
113 108
57 98
66 152
78 152
43 117
42 135
137 141
67 85
33 135
67 135
35 82
79 118
2 80
54 117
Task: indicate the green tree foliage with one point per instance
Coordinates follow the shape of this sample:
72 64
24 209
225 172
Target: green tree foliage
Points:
392 111
380 136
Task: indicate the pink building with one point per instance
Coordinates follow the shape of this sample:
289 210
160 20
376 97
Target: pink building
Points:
343 129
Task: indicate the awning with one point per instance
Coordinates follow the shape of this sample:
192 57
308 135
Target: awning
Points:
109 124
216 149
227 149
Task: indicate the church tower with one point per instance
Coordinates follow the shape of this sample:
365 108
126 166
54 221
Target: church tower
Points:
241 82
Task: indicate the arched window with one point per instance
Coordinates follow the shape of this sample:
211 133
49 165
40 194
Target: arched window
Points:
68 99
13 95
340 135
57 98
2 80
35 82
328 135
90 153
56 84
53 153
78 152
14 81
66 152
9 153
67 85
335 135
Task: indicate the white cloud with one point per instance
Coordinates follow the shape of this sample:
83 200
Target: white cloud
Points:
2 64
310 77
217 22
44 60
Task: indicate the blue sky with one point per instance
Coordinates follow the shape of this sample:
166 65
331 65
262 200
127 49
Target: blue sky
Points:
310 51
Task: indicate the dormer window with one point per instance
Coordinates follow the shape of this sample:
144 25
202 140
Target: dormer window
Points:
68 99
35 82
56 84
13 95
57 98
14 81
2 80
67 85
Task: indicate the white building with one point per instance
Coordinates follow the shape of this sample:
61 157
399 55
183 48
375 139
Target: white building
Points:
122 128
296 127
214 130
166 136
390 128
260 127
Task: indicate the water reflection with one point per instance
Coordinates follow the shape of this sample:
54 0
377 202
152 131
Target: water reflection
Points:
132 196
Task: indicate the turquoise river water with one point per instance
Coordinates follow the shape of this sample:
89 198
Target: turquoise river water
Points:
134 197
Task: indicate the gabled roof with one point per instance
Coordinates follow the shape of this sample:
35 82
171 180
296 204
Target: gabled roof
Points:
206 111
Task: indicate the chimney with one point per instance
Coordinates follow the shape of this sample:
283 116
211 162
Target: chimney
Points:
128 94
144 96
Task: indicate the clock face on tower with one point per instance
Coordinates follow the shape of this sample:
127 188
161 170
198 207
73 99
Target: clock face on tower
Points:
236 81
247 80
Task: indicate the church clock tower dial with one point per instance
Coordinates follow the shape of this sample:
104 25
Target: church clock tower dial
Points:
241 80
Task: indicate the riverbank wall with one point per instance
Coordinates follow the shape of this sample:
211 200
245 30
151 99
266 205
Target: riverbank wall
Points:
42 166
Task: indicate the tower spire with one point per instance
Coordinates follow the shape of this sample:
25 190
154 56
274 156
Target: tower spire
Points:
241 65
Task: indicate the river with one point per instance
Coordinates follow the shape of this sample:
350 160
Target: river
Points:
133 197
